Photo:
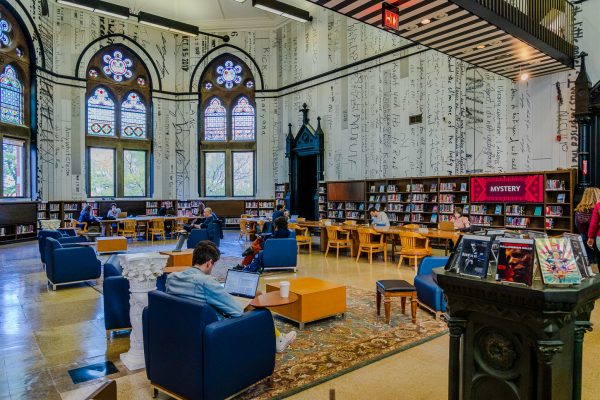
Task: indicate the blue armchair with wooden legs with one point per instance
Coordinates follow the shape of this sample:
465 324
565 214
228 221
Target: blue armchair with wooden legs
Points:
191 354
66 265
64 236
429 294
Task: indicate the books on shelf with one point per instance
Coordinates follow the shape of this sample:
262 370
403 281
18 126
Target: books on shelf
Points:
560 198
434 219
474 256
25 229
463 187
557 261
395 207
549 224
498 210
554 211
555 184
581 258
394 198
447 208
478 209
447 187
433 187
447 198
537 211
420 198
463 200
515 210
481 220
517 222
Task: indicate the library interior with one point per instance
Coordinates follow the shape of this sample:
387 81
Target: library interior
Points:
401 198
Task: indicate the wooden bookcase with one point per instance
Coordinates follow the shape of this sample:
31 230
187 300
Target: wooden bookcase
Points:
322 200
281 190
428 200
18 221
259 208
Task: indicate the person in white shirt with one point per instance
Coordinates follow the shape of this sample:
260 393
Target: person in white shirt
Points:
379 218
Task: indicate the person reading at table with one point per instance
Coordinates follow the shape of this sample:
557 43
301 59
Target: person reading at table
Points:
253 262
197 283
87 217
460 221
114 211
379 218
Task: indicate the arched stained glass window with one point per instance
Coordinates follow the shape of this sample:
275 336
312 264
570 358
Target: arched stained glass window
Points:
133 117
242 120
101 113
11 96
215 121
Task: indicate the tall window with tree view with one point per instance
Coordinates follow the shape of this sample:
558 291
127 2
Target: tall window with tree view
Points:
118 100
228 128
15 106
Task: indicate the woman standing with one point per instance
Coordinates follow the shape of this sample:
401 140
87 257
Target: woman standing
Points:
583 217
594 229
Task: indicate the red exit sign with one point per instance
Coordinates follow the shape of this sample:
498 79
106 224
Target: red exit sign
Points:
390 16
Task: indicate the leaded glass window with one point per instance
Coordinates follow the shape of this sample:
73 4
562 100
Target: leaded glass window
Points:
229 74
5 29
101 113
215 121
242 120
11 97
133 117
116 66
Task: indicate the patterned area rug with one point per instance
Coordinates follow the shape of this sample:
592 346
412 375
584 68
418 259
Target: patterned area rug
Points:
335 346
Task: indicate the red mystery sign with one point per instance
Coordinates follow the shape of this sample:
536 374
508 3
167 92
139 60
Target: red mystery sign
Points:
507 189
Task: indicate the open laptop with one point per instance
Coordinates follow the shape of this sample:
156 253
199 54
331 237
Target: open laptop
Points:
242 285
293 218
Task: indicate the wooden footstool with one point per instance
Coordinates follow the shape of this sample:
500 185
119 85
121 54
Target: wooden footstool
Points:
396 288
111 244
183 257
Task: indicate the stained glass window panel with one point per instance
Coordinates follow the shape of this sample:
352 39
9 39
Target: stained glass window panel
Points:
13 167
243 120
243 174
133 117
100 114
134 173
11 97
102 172
229 74
215 121
214 169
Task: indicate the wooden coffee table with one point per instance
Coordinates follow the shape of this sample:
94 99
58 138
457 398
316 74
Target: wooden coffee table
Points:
318 299
111 244
183 257
273 299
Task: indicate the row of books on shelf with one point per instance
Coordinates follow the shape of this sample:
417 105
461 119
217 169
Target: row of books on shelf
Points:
19 230
515 258
157 204
346 206
188 204
555 184
450 198
322 199
260 204
451 187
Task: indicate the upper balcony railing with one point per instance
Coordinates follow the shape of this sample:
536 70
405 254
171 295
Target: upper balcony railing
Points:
550 21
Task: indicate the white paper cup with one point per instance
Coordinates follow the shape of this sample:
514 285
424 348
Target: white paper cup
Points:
284 289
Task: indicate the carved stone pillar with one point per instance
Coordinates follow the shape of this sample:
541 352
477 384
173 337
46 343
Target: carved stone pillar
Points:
457 329
581 327
141 270
545 350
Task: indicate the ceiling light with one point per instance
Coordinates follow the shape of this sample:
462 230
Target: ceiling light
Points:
481 46
497 43
425 21
411 27
101 7
524 76
168 24
282 9
240 1
441 16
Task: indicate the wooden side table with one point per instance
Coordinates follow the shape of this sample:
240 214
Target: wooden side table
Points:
273 299
183 257
396 288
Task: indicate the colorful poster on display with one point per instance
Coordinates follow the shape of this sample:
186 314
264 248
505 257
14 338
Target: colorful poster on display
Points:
583 263
515 261
507 189
557 261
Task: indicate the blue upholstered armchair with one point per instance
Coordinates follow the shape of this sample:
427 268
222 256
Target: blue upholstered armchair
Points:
70 264
191 354
280 254
429 294
212 233
115 289
196 236
63 236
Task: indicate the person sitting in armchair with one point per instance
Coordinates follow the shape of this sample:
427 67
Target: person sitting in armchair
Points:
196 283
254 261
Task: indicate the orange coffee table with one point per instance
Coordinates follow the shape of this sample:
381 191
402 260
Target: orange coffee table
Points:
317 299
183 257
111 244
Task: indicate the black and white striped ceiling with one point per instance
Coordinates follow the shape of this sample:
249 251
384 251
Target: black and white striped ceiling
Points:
457 32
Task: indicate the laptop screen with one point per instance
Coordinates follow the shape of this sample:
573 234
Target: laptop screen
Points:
293 218
243 284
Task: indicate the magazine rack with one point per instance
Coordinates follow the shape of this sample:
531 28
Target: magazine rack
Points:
513 342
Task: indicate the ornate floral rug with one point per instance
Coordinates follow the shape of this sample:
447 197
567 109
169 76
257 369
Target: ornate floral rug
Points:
335 346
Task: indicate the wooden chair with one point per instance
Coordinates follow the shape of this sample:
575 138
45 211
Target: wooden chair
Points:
80 227
303 237
414 246
127 229
156 227
368 245
338 238
247 228
141 228
178 225
350 222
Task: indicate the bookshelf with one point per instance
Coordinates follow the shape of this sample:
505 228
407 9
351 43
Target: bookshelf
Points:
18 221
322 188
42 210
429 200
259 208
188 208
281 190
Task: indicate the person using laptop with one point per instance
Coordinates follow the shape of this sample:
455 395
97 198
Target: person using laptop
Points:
379 218
196 283
279 212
